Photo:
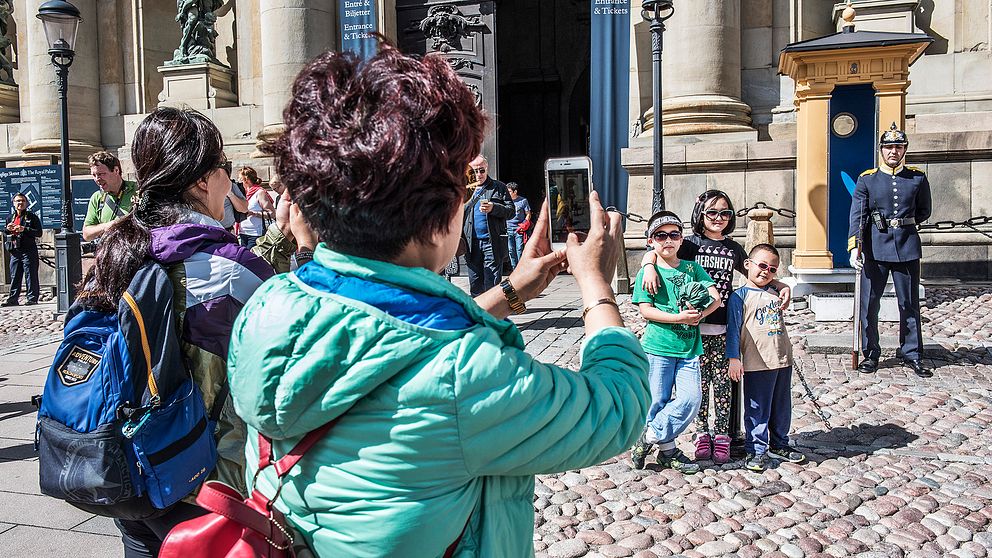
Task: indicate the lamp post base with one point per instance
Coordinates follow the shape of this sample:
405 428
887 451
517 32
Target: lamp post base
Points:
68 268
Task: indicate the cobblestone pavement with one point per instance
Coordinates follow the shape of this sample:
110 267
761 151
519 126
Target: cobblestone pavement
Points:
904 469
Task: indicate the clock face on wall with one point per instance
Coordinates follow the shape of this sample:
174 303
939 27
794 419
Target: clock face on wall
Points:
844 125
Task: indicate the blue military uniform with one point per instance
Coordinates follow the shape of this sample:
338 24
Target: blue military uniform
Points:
887 205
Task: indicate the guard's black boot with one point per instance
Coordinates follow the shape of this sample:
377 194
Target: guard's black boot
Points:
918 368
868 366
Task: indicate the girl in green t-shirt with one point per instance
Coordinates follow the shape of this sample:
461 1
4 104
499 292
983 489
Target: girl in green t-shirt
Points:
672 342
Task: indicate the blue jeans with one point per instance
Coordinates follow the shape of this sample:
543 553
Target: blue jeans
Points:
515 244
484 272
767 409
671 413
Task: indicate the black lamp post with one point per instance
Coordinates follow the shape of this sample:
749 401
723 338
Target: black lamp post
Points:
61 20
657 12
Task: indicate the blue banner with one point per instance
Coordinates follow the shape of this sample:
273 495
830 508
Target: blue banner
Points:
358 22
609 98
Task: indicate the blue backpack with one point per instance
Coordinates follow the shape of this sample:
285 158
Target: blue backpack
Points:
122 428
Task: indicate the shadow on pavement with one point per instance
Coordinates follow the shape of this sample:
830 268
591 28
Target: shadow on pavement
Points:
16 409
850 441
19 452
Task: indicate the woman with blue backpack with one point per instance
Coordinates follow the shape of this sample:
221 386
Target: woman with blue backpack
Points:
155 315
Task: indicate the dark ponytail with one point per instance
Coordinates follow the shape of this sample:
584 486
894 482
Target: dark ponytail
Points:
172 149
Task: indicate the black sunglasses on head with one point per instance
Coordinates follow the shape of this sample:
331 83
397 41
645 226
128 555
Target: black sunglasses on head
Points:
228 166
662 236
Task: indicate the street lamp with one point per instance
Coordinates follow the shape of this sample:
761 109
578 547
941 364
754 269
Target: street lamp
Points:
61 20
657 12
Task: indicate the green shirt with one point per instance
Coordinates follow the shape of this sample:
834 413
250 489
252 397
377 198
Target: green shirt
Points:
672 340
99 211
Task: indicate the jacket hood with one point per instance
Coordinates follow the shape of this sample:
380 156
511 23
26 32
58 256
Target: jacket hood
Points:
176 243
300 357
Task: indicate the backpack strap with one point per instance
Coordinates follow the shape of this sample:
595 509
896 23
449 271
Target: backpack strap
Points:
284 464
145 348
219 401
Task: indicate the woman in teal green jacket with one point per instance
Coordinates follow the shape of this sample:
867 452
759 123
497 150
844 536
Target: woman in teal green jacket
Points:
443 419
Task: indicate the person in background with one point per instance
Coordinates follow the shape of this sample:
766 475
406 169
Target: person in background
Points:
438 410
235 203
261 210
518 225
484 226
760 353
114 198
22 231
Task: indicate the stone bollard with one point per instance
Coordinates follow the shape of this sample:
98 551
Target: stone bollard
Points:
759 228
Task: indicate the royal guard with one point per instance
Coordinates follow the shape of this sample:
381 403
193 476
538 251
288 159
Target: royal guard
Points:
889 202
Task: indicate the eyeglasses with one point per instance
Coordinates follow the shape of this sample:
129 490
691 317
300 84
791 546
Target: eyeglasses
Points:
477 171
715 214
662 236
765 267
227 165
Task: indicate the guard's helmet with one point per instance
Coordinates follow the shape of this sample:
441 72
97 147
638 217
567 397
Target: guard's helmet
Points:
893 136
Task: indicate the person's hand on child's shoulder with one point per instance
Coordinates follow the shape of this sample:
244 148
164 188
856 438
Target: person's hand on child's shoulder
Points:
736 370
785 297
650 280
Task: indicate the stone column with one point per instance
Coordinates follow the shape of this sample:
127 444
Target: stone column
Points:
702 70
891 97
84 88
292 33
812 181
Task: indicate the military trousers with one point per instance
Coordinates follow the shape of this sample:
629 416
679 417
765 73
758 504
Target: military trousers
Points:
906 280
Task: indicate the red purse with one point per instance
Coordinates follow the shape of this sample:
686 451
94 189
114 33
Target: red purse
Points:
239 528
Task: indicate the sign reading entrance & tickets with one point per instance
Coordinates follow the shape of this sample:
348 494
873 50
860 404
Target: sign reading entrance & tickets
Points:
41 185
609 96
358 23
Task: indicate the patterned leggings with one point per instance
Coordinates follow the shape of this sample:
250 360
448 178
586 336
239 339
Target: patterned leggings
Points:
714 367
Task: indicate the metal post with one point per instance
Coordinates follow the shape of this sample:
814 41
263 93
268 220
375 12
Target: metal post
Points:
657 12
68 254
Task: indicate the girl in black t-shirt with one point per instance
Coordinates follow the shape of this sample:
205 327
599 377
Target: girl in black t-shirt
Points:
713 219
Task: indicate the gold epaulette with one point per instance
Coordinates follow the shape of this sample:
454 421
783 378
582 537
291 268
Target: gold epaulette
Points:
917 169
870 171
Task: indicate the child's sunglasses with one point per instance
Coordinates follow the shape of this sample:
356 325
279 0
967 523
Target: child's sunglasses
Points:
662 236
765 267
714 214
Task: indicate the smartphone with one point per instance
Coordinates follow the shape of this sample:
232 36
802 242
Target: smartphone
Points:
568 182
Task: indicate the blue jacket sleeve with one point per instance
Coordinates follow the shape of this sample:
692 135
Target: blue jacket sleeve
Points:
735 319
526 417
859 214
924 202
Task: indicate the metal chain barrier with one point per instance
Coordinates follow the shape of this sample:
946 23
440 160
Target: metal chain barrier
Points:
787 213
632 217
44 259
971 223
810 396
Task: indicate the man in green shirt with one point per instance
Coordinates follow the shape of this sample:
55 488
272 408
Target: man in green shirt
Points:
114 198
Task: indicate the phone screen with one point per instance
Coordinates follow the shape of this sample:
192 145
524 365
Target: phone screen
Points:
568 198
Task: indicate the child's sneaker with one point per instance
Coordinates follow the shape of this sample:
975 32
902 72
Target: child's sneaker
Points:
703 447
786 454
679 462
757 463
721 449
641 449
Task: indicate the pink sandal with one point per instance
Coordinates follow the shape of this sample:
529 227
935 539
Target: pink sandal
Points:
703 449
721 449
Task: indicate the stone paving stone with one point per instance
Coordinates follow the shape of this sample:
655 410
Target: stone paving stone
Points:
20 476
99 526
39 511
32 541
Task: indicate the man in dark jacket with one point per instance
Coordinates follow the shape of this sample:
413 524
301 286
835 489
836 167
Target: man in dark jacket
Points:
888 203
485 228
22 230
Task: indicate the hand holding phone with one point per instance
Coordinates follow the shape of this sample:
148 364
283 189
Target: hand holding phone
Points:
568 183
485 206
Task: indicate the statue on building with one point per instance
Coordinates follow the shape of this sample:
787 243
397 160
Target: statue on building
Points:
6 69
196 20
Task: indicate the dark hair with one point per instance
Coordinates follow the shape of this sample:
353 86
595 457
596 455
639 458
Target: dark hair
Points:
105 158
172 149
512 186
697 212
763 247
249 174
19 195
375 152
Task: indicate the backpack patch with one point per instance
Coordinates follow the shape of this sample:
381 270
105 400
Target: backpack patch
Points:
77 366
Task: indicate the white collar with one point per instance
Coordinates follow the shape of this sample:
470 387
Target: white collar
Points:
196 218
889 170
